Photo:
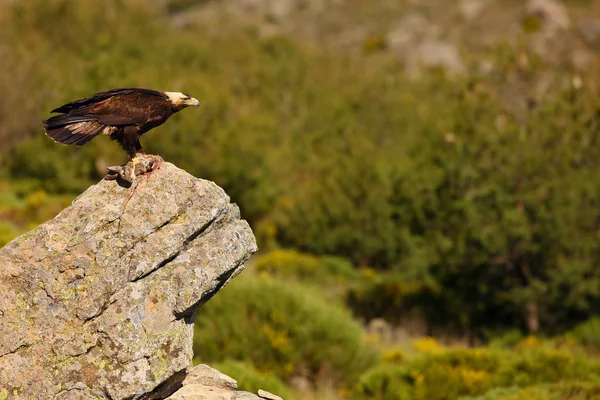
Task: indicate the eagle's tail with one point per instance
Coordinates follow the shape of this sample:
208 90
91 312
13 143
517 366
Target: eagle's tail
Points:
75 130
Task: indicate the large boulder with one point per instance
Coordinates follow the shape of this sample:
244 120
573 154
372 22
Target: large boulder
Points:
99 302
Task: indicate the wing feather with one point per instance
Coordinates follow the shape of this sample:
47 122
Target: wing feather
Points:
77 133
129 108
101 96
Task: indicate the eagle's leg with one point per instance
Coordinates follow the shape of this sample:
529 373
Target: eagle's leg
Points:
139 162
135 149
128 138
142 163
135 153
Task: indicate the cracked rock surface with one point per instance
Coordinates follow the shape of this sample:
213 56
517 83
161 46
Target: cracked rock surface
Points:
99 302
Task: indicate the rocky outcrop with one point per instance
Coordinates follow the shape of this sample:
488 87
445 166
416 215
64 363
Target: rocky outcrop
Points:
99 302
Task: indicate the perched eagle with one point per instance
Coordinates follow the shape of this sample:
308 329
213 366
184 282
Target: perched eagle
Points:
122 114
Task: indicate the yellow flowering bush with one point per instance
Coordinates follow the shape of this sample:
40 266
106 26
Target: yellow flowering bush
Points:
459 373
277 261
303 266
395 355
427 345
528 342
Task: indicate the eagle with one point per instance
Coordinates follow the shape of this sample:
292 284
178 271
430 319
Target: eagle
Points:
122 114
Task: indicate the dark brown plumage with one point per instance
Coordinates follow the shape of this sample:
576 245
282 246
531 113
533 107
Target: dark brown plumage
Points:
122 114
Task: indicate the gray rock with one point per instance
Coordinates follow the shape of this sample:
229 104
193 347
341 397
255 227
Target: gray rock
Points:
205 383
553 14
204 375
301 383
280 9
244 396
263 394
434 54
99 302
419 45
471 9
409 30
590 29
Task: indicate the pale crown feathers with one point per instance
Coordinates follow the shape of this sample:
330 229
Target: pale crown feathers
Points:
181 99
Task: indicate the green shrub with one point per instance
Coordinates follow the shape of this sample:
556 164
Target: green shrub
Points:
282 328
507 339
374 42
302 266
21 211
492 374
481 359
545 365
576 390
182 5
587 333
250 379
55 170
503 393
453 373
561 391
7 232
385 382
439 375
389 296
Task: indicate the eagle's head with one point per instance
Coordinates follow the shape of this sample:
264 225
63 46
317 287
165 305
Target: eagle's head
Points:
181 100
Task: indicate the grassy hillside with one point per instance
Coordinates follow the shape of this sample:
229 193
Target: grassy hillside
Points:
462 206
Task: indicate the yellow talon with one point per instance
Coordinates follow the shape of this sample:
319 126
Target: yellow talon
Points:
134 162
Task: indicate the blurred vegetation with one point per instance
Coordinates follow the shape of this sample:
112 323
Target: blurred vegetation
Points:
292 265
250 379
561 391
453 373
470 202
587 333
284 328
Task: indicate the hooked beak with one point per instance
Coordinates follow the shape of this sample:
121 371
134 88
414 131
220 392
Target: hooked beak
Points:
193 102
